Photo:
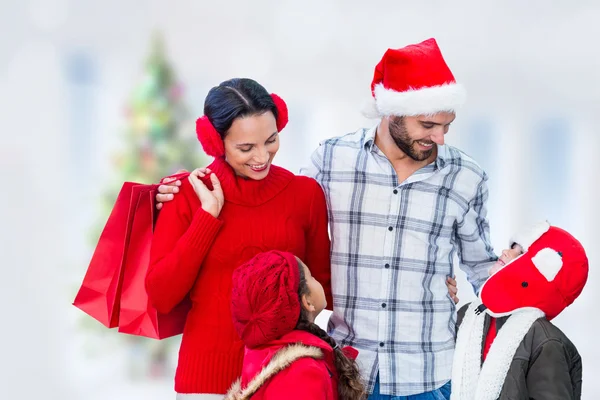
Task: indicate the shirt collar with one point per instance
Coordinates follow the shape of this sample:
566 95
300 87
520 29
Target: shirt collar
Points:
442 156
370 138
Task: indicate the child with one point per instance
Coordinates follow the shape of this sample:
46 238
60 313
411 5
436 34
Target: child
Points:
507 348
274 303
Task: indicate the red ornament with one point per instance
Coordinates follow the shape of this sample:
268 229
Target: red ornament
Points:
176 91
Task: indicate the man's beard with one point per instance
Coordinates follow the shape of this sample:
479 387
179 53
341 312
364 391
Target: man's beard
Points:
399 134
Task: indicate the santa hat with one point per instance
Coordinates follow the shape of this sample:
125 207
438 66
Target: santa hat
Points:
413 80
264 297
549 276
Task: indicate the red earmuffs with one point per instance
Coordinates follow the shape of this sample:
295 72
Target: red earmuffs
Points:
211 140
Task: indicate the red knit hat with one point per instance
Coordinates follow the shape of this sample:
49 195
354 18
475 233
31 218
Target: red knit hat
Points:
211 140
414 80
264 297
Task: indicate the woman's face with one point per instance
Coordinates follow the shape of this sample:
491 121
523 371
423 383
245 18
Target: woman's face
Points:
507 256
251 144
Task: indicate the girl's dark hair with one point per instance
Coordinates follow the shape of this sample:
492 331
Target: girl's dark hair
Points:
350 383
236 98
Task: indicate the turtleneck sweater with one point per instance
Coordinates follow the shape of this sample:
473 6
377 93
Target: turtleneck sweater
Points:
194 255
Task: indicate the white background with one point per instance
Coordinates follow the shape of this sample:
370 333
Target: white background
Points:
67 68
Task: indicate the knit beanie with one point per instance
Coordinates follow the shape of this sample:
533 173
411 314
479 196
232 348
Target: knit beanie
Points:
264 297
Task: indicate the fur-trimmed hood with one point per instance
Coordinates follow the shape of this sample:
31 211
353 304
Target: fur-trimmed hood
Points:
282 360
262 364
548 276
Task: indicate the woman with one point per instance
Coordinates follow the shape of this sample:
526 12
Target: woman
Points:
274 303
237 207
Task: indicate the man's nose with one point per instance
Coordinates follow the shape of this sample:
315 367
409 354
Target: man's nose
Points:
438 137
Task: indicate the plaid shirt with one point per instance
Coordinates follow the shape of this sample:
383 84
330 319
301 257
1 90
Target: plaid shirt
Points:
393 245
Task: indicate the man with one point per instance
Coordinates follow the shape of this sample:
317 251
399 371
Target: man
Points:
401 205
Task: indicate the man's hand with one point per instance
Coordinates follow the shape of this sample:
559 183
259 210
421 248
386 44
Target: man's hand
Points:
452 288
168 189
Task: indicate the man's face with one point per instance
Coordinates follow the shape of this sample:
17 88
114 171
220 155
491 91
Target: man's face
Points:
417 136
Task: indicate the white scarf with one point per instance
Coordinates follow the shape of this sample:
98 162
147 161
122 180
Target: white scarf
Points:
469 380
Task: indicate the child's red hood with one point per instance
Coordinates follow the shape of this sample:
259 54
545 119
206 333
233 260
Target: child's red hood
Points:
549 276
258 358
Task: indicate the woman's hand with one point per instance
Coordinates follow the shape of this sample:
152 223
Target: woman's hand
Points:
212 200
452 289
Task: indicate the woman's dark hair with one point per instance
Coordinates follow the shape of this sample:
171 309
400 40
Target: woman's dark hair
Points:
350 383
236 98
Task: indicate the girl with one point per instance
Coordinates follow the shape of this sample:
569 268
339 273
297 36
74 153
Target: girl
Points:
225 214
274 303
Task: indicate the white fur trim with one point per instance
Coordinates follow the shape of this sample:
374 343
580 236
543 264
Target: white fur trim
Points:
527 236
469 380
548 262
280 361
425 101
369 109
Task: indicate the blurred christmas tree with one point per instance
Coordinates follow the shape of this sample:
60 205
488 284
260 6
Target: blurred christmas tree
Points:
159 140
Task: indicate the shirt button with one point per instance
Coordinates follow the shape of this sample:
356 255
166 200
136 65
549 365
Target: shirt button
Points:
383 305
390 228
381 344
395 191
387 265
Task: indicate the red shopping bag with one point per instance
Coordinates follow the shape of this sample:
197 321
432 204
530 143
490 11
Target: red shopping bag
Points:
99 294
119 265
137 316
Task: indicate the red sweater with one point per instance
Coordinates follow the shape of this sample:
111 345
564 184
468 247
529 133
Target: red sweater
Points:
489 338
306 378
195 254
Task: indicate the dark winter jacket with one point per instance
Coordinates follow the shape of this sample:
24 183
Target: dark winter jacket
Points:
546 365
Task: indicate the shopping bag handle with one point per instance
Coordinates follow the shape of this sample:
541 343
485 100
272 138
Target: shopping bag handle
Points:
174 176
